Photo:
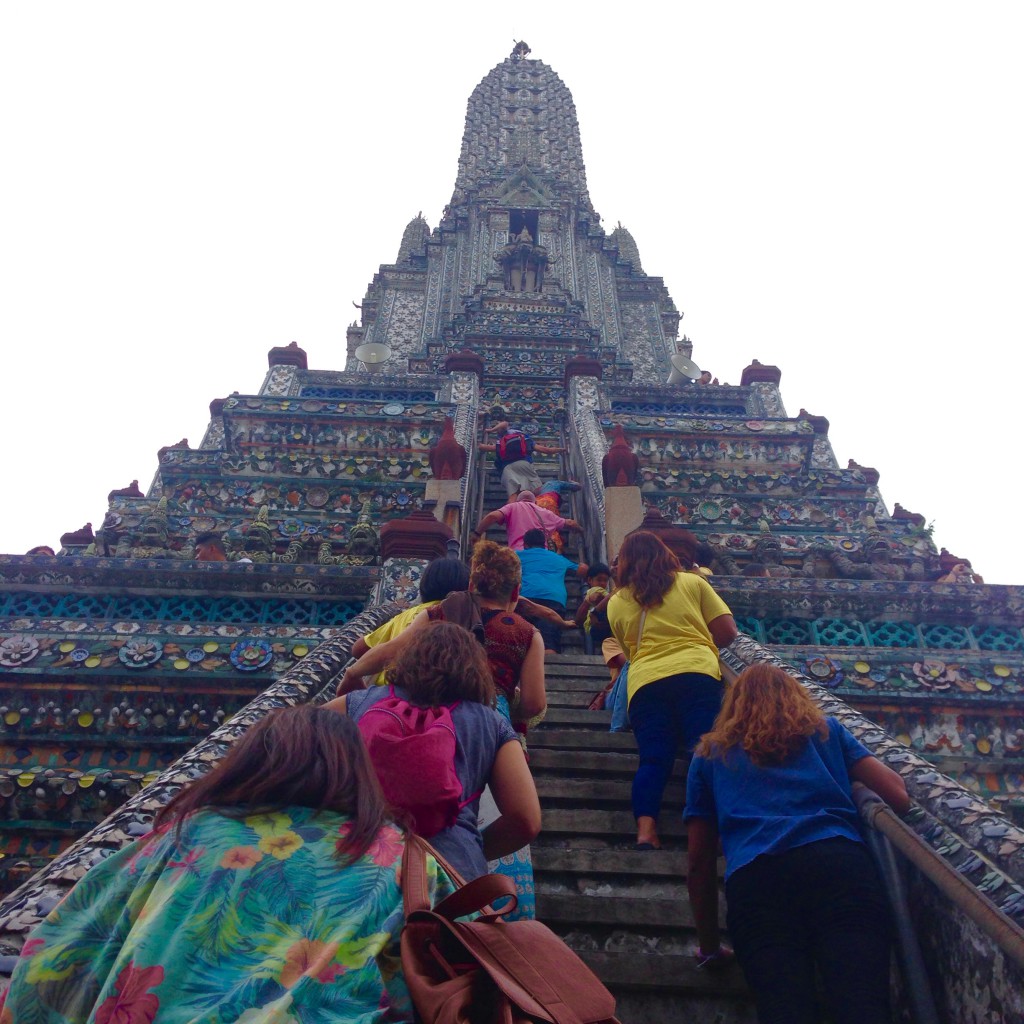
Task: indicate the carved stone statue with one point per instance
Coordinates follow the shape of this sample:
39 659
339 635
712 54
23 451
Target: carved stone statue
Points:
876 563
724 563
363 541
258 543
818 562
363 545
523 263
150 539
768 551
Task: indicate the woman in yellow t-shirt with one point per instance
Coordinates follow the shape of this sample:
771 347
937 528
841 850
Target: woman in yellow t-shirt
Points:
670 623
441 577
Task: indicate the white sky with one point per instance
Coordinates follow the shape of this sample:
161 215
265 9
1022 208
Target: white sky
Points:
835 189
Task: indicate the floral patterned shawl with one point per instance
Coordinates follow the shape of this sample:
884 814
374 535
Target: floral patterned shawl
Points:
254 921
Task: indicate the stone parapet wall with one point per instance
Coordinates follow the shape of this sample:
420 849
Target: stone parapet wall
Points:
80 573
20 911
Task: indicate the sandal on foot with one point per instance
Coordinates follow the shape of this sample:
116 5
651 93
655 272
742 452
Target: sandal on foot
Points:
720 960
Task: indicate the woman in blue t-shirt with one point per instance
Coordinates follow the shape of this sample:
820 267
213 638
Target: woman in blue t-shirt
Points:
773 779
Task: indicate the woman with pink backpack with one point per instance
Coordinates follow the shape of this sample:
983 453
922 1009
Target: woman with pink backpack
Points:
436 741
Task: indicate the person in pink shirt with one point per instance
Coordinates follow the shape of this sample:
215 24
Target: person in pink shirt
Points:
525 514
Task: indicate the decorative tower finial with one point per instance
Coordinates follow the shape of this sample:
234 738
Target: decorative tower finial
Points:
520 50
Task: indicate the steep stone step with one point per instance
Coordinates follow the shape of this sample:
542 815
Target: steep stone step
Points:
669 912
576 663
581 738
713 1004
585 855
602 762
642 965
624 911
558 790
559 715
584 678
577 821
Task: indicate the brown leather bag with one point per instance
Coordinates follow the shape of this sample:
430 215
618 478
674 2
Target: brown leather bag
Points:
489 971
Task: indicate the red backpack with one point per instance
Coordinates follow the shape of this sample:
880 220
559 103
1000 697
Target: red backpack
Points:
413 753
513 446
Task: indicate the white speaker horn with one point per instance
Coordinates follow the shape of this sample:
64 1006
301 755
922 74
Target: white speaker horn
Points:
373 356
682 369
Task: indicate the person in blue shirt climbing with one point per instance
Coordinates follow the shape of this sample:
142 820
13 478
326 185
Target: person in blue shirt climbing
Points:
773 779
544 584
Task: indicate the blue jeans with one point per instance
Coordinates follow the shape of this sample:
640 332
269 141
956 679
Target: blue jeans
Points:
667 715
551 633
821 905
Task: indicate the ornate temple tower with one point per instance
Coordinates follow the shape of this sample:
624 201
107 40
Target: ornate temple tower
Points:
520 262
329 489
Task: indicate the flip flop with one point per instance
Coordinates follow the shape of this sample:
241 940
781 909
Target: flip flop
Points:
646 846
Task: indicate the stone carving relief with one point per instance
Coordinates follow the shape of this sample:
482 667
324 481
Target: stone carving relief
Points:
766 400
281 380
399 324
214 437
822 456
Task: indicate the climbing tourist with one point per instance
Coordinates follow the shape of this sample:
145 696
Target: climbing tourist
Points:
515 653
550 497
524 514
551 493
514 648
441 577
513 458
269 890
445 667
544 584
670 623
772 778
592 613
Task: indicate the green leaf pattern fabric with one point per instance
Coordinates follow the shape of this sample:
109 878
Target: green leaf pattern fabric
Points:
239 921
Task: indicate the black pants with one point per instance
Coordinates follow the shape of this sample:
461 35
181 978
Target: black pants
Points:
551 633
819 905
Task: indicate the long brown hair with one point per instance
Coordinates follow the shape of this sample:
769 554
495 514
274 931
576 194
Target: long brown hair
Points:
305 756
444 663
767 714
495 572
647 567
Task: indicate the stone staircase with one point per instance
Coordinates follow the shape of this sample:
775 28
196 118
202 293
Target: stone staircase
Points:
548 468
625 912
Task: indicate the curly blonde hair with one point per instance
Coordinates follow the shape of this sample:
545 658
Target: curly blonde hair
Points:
767 714
495 572
444 663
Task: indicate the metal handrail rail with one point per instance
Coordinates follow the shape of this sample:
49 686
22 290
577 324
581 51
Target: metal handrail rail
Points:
1005 932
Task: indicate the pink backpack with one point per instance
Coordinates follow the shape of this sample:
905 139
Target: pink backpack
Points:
413 753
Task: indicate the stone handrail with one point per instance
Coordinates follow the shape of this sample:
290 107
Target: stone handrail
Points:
587 448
